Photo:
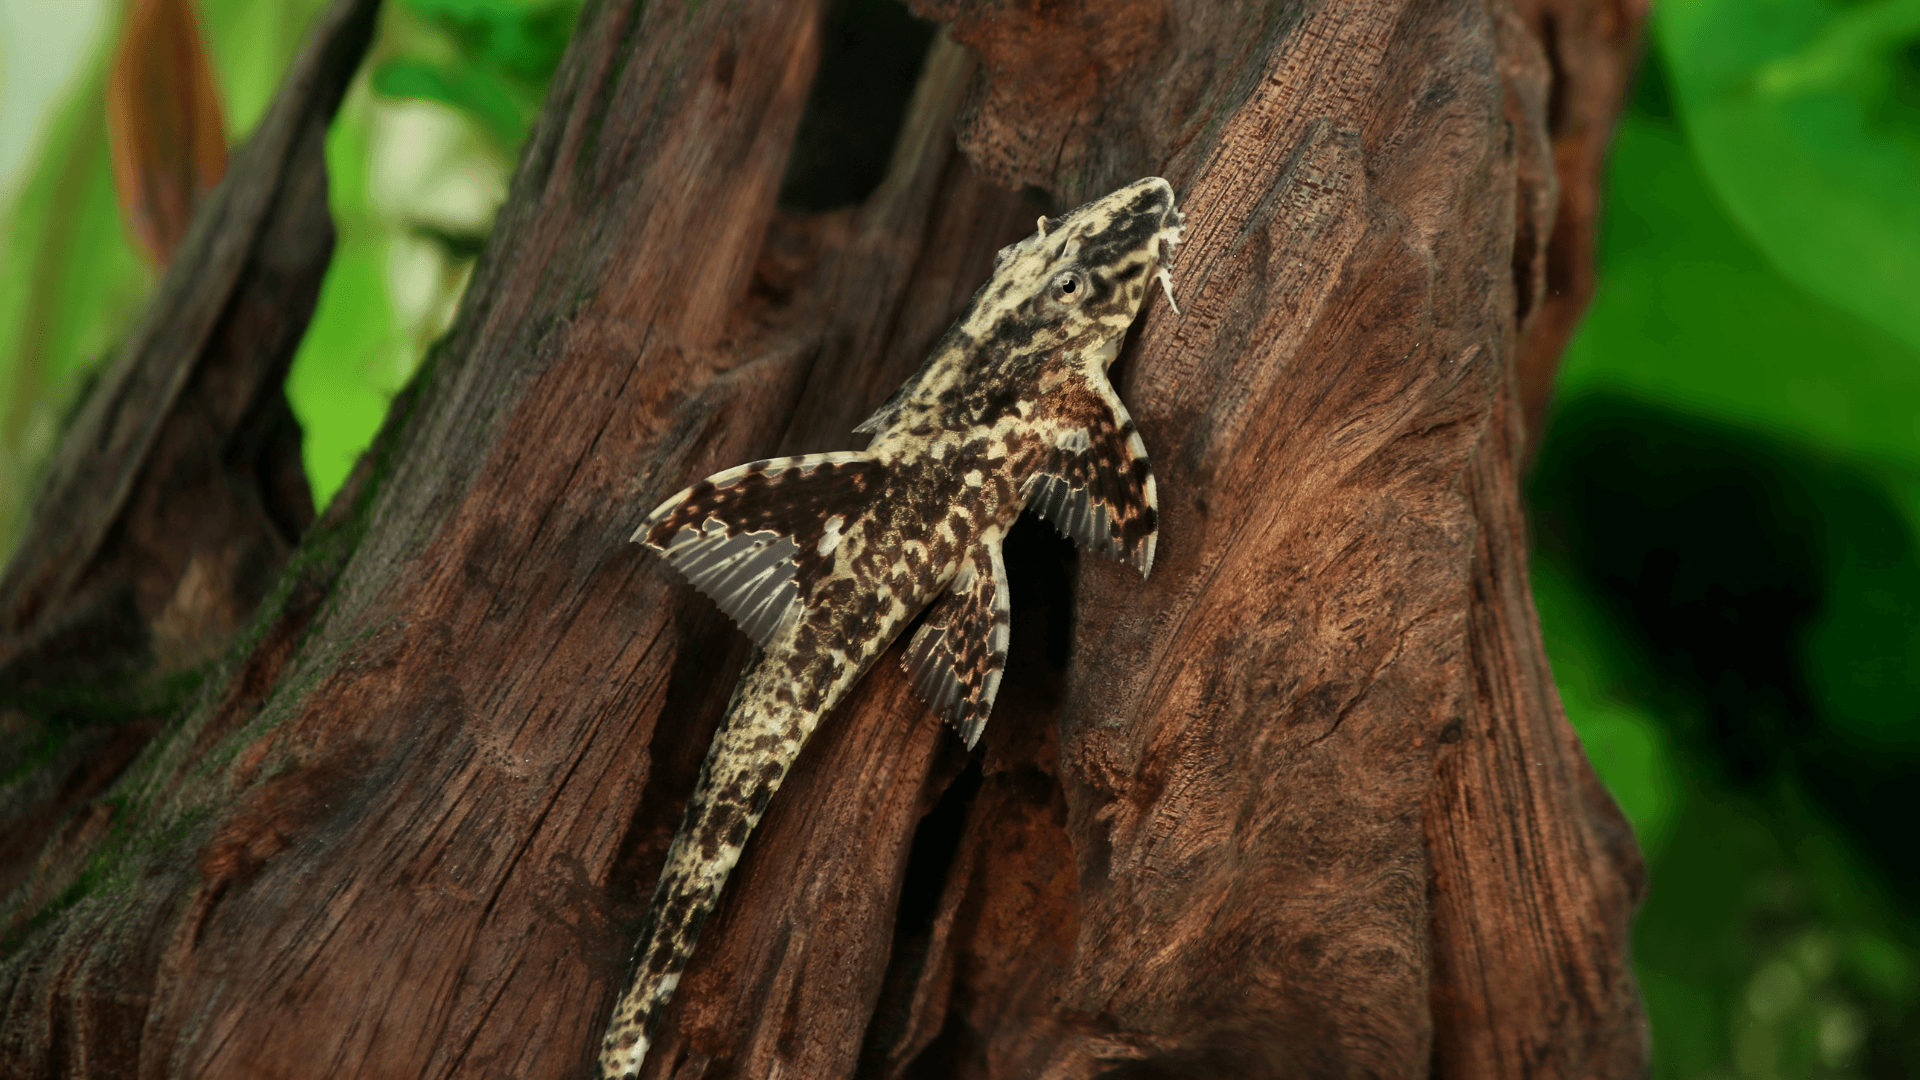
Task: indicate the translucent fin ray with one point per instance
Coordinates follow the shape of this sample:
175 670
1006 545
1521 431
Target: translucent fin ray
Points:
956 658
1095 485
749 537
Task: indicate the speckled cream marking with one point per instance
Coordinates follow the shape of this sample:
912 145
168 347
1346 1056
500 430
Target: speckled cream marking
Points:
830 537
823 559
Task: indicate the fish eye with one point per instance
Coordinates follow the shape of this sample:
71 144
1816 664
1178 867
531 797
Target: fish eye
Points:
1068 287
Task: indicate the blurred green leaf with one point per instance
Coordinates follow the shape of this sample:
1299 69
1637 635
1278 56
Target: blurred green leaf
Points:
1623 736
468 89
252 41
524 39
489 59
419 157
1862 652
1858 52
1805 115
354 356
70 283
166 128
1689 313
1730 592
70 280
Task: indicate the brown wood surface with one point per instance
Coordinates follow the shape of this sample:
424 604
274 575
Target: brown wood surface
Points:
1302 805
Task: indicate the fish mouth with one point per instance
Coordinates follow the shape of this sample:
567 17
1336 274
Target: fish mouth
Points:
1171 228
1167 242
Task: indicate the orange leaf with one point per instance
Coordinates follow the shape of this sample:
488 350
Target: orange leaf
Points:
164 124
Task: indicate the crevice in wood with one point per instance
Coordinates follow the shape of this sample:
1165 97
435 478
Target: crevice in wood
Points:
871 58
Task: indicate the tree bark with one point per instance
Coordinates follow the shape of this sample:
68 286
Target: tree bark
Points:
1304 804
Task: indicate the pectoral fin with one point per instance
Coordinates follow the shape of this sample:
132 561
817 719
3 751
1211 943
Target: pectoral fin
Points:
1094 482
956 657
755 538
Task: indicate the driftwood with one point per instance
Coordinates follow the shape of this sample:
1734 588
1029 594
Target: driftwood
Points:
177 494
1304 804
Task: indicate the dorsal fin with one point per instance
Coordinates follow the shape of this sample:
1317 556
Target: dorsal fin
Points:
956 657
1094 483
755 538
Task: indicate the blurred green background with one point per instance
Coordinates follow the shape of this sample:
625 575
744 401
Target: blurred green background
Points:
1726 502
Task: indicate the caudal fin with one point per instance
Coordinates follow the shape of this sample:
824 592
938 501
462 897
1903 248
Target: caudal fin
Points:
756 745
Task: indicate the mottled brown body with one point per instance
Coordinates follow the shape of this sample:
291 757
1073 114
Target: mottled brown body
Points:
824 559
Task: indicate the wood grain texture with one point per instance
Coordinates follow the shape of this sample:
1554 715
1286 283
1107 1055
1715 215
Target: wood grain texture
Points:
1303 805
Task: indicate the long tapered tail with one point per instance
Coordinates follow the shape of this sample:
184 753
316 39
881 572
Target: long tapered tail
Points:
756 745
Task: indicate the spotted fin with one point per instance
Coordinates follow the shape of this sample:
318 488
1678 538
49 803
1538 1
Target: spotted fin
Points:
1094 483
755 538
956 657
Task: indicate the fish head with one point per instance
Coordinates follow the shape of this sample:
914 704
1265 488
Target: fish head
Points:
1067 294
1082 277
